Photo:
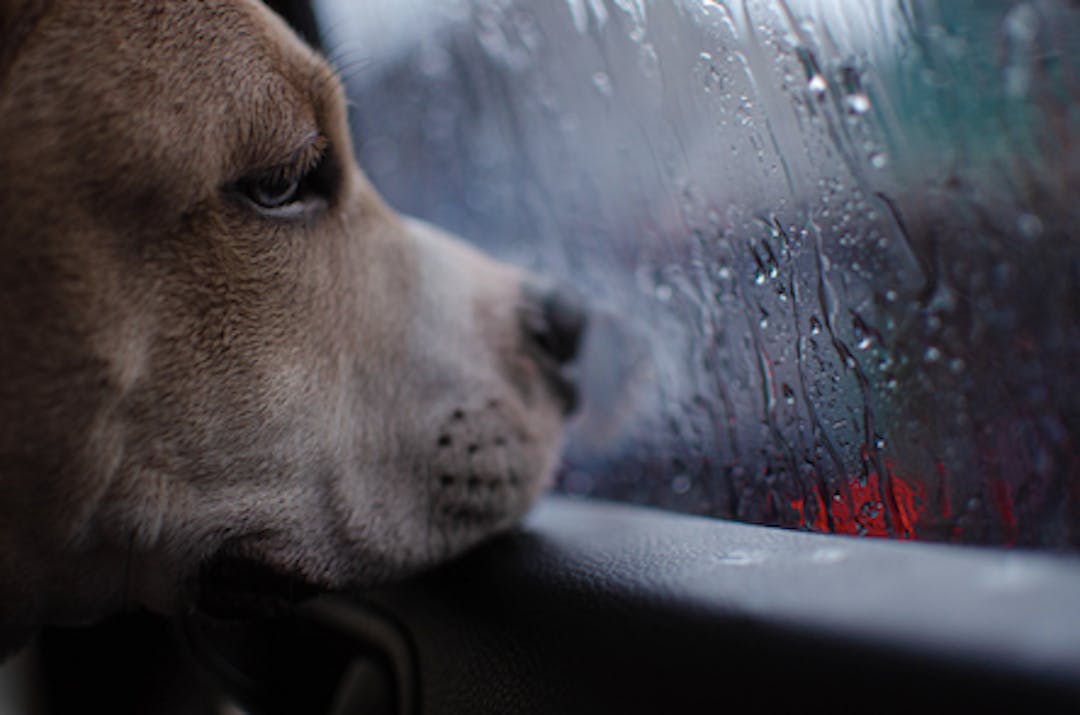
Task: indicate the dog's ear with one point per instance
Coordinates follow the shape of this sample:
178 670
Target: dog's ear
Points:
17 19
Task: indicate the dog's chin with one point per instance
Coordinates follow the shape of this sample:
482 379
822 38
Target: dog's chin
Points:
232 587
240 587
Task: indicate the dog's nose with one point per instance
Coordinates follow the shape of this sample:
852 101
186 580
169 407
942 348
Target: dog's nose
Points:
554 321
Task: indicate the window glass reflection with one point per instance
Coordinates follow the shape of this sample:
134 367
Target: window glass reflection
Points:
829 241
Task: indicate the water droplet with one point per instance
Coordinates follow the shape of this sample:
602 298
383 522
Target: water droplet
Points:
681 484
724 273
1030 226
789 394
815 326
857 103
759 278
879 159
602 82
663 292
862 334
580 15
932 354
648 60
817 85
1021 24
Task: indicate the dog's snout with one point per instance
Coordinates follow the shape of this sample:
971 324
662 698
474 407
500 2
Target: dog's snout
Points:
554 321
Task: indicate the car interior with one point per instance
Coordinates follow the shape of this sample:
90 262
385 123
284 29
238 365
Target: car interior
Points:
826 458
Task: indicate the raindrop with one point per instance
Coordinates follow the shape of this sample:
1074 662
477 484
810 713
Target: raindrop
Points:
663 292
681 484
815 326
815 80
789 394
879 159
1021 24
855 98
932 354
861 333
602 82
857 103
1030 226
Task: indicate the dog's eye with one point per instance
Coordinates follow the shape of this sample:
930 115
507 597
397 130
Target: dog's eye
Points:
292 190
273 192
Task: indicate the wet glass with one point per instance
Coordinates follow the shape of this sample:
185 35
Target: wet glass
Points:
829 243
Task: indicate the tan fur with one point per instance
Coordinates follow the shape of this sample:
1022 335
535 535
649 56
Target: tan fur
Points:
344 398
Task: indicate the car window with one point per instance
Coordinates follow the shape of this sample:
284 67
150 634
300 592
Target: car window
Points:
827 243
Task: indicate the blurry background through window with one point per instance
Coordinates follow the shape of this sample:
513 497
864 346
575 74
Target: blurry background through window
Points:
830 243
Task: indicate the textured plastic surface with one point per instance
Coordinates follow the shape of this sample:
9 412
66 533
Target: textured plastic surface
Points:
604 608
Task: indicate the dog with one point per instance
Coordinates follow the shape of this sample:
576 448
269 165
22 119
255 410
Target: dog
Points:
230 372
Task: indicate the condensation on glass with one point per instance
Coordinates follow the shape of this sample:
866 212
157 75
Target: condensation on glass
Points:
830 244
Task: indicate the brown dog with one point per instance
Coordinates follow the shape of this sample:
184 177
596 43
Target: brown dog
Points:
222 355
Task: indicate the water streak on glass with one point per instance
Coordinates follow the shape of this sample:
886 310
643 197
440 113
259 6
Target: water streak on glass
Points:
829 242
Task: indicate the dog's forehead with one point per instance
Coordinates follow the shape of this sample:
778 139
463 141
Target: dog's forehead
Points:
208 39
198 89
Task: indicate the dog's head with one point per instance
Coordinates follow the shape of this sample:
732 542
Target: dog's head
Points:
218 347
